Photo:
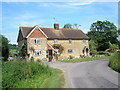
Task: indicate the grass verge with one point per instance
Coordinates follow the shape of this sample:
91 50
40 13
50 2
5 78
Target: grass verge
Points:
56 80
22 74
114 62
84 59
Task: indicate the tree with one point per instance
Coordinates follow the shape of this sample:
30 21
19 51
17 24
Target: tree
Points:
69 26
102 32
4 47
23 52
76 26
93 47
113 47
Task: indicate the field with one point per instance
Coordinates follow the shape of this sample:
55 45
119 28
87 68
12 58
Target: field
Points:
22 74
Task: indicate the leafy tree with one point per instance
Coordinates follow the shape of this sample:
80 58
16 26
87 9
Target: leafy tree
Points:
93 47
69 26
13 46
23 52
4 47
76 26
112 47
102 32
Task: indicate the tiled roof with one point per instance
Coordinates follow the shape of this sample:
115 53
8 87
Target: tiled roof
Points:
62 33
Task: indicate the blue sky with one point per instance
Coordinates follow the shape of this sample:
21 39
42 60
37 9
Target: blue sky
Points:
15 14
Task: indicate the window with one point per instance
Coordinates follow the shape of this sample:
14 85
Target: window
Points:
84 41
70 51
37 53
70 41
37 41
55 41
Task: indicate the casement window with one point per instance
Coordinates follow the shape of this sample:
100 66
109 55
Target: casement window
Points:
37 53
84 41
70 41
70 50
55 41
37 41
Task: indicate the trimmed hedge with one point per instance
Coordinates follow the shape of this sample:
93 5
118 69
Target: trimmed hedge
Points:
14 71
114 62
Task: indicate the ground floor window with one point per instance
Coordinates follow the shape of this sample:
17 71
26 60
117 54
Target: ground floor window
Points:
37 53
70 50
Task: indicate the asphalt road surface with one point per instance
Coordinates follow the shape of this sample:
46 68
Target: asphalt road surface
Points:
91 74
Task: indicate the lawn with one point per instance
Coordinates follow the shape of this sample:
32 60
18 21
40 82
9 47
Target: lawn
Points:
84 59
22 74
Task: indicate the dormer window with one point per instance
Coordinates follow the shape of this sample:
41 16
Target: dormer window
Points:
70 41
55 41
37 41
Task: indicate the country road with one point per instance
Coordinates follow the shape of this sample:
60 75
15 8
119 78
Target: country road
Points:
91 74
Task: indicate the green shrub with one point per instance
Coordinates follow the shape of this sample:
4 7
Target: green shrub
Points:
14 71
32 59
71 57
114 62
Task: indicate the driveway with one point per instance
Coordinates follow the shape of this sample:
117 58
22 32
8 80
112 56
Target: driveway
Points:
91 74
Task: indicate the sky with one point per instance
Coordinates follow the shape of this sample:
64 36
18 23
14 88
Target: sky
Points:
15 14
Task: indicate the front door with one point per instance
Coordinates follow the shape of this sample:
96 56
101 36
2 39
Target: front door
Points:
50 55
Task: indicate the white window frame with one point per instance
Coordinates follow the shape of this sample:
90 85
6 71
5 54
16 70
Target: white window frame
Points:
36 41
55 41
70 41
38 53
71 50
84 41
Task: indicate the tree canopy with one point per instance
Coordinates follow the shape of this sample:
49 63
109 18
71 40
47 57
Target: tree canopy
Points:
103 32
4 47
70 26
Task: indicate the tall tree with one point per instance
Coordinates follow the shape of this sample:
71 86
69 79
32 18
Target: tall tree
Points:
4 47
102 32
23 52
93 47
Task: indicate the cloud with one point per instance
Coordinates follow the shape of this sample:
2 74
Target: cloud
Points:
79 3
83 1
59 5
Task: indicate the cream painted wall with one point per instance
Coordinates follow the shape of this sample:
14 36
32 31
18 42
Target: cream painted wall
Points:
37 47
77 46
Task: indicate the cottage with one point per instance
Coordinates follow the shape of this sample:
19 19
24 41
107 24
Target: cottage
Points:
40 42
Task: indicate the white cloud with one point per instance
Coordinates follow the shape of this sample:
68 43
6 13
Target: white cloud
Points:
58 1
60 5
78 3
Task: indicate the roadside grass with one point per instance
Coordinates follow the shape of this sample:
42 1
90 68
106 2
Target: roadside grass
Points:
84 59
56 80
114 62
22 74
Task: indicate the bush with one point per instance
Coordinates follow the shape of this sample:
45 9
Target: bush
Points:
71 57
14 71
32 59
114 62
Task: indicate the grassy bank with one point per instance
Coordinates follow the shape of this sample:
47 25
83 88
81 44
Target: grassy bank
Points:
114 62
22 74
84 59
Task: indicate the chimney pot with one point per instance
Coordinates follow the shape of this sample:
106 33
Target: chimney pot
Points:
56 26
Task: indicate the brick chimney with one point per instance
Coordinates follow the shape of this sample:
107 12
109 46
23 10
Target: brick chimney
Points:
56 26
